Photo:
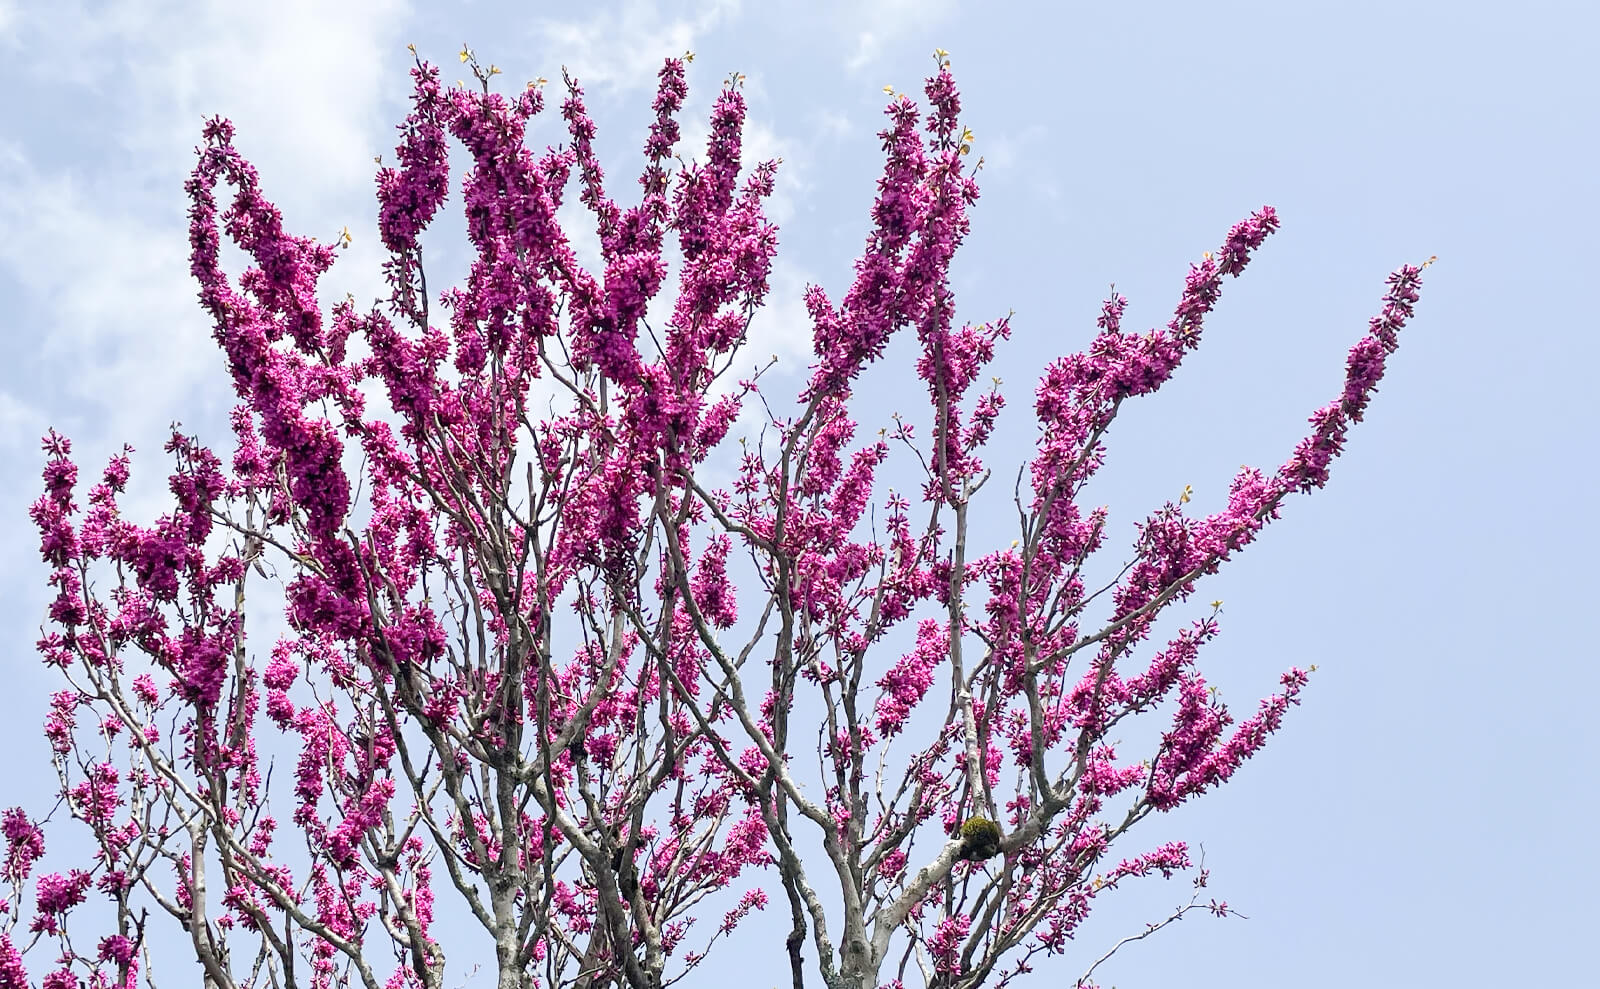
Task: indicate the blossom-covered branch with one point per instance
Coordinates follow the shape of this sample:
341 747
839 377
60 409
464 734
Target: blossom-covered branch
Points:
531 643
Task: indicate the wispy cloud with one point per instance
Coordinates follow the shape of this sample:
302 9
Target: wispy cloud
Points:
97 245
1007 150
8 22
622 49
108 294
832 124
879 22
21 424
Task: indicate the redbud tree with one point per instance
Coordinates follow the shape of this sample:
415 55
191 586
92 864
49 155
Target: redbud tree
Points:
567 661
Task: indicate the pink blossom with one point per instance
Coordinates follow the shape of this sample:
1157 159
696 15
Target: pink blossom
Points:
24 843
12 973
946 942
57 894
905 684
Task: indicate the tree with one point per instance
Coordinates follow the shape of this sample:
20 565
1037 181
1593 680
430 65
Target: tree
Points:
531 643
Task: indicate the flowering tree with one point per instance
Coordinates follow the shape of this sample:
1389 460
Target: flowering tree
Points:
518 661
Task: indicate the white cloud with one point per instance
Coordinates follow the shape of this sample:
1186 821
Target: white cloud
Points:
833 124
21 424
783 327
8 22
301 79
1006 150
623 51
878 22
120 327
99 248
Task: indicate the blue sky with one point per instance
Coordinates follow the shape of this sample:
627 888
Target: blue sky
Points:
1426 817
